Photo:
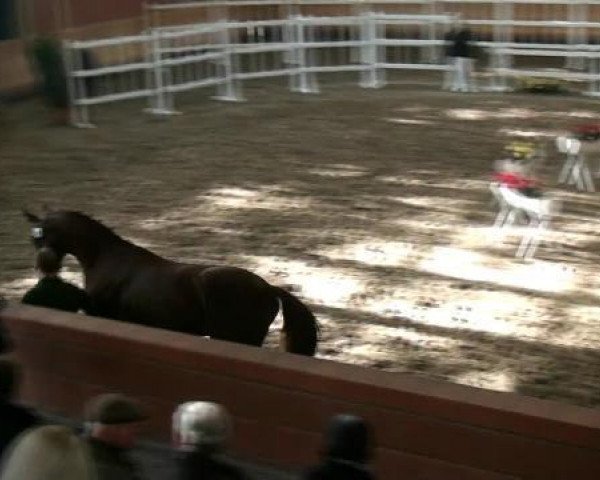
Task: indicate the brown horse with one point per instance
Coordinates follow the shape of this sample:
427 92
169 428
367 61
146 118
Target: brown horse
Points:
129 283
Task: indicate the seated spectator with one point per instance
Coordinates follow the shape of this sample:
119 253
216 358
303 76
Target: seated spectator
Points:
49 452
14 419
346 451
53 292
113 422
200 432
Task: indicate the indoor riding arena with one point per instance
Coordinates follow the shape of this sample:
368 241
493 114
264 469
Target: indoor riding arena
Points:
347 175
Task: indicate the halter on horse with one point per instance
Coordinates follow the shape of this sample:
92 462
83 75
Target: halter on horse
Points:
129 283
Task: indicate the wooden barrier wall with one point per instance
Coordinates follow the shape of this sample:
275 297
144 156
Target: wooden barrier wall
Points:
280 402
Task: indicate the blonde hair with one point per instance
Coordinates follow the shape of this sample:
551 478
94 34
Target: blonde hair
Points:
48 453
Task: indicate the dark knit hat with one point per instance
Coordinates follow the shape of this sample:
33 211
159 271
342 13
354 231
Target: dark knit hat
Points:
114 409
347 439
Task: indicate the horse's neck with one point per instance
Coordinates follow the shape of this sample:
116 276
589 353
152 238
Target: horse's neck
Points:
89 252
116 252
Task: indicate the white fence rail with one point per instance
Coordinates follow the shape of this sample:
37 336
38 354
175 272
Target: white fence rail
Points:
224 44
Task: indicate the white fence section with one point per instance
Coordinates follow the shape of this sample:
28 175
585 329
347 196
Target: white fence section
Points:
121 76
222 44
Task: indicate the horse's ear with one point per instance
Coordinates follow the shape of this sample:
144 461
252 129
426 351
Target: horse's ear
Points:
32 218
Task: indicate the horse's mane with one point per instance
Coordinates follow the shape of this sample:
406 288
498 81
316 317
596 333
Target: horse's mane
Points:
99 231
89 223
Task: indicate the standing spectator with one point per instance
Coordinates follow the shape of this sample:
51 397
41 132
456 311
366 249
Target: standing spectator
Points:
14 418
449 58
346 451
51 291
200 432
49 452
113 423
463 60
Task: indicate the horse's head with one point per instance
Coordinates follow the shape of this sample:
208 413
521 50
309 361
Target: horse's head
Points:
72 233
51 230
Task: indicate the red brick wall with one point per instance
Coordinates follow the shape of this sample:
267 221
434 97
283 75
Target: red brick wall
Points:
82 12
281 402
94 11
15 73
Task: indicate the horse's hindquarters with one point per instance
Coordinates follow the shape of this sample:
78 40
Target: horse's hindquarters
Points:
240 306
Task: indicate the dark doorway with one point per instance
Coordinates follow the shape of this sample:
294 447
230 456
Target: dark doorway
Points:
8 19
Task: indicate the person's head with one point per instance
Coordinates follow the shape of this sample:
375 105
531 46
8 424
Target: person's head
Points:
201 426
47 261
9 377
347 438
47 453
114 419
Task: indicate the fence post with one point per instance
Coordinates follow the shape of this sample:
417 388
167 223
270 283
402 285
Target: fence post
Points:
503 36
77 92
227 90
68 65
576 34
429 31
159 105
311 55
290 56
594 70
301 52
304 80
370 76
379 33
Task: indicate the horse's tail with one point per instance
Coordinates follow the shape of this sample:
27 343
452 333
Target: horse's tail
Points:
300 328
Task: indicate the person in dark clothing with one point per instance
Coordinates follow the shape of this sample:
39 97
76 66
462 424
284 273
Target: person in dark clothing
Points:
14 419
112 422
200 431
462 52
462 43
51 291
346 451
449 58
